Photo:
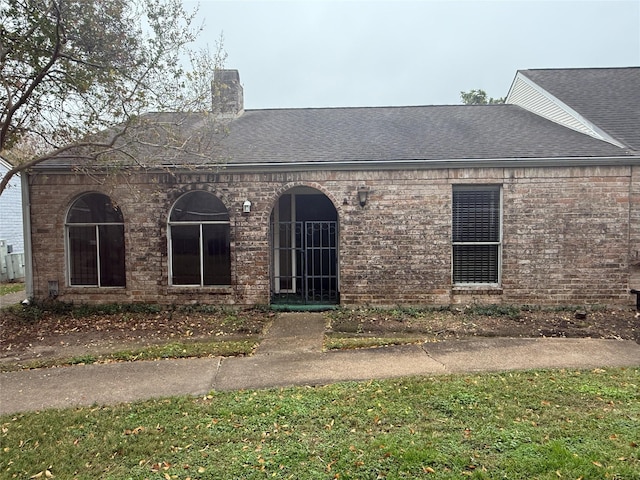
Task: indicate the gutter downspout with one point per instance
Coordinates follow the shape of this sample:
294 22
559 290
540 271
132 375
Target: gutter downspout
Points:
26 226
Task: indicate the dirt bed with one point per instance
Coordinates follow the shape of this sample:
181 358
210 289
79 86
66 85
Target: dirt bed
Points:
613 323
54 335
64 335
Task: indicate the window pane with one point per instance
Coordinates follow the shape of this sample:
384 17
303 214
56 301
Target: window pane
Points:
83 256
111 255
284 206
94 208
185 254
217 257
199 207
475 264
189 252
476 215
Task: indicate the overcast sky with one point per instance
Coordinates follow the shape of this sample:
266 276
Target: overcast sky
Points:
322 53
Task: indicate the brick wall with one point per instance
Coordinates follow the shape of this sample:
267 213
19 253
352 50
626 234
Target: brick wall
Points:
566 231
634 229
566 235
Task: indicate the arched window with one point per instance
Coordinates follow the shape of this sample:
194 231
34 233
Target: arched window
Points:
199 236
95 242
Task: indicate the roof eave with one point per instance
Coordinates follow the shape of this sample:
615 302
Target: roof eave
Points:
422 164
410 164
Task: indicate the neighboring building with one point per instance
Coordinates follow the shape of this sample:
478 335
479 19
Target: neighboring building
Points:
536 201
11 231
11 211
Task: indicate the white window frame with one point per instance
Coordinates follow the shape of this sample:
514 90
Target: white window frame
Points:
171 224
69 254
277 251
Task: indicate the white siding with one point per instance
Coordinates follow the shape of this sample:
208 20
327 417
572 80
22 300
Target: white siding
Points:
11 212
529 96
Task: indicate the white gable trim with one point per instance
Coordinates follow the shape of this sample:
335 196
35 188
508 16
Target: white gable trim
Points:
5 164
527 94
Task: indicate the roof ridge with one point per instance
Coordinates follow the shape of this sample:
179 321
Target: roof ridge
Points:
389 107
629 67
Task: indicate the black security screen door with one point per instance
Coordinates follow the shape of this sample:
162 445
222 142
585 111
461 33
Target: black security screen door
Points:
304 239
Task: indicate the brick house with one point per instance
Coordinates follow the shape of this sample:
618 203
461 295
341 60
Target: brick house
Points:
536 201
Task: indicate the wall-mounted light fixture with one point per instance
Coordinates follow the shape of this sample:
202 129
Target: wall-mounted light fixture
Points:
246 206
363 194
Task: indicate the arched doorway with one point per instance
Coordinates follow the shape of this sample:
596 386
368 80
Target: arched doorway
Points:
304 249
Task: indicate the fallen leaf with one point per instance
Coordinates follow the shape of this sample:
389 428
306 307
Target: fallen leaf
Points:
156 467
45 473
135 431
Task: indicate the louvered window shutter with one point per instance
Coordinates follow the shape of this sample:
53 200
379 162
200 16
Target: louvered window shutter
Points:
476 234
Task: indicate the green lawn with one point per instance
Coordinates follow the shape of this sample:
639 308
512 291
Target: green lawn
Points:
223 348
6 288
520 425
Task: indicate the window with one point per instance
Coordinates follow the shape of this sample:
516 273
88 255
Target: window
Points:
95 242
199 235
477 234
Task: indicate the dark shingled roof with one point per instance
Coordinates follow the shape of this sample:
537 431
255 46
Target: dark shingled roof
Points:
608 97
403 133
433 134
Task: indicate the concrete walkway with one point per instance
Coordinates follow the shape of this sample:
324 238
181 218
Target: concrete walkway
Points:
12 298
291 354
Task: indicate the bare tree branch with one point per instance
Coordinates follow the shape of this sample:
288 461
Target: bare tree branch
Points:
80 77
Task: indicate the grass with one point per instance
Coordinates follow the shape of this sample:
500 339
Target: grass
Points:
224 348
7 288
339 341
536 424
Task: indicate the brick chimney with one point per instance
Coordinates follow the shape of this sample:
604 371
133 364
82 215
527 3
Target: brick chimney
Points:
228 97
